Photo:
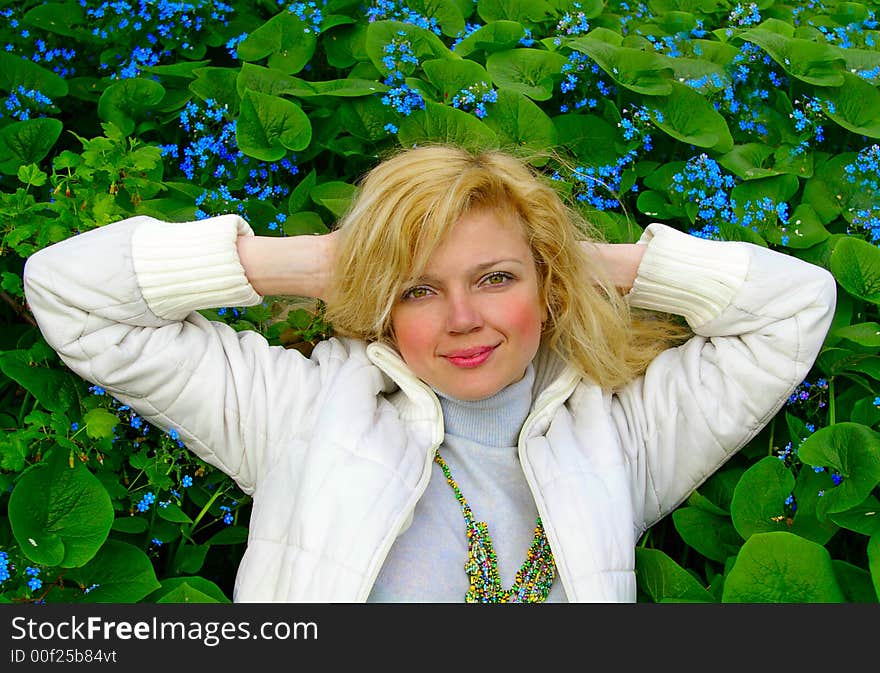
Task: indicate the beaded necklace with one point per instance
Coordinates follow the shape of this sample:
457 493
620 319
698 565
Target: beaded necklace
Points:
533 579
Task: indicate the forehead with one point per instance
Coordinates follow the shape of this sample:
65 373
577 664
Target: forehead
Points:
479 236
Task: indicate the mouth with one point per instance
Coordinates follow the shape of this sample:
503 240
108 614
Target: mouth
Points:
469 358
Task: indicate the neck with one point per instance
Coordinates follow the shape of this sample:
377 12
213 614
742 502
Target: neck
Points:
492 421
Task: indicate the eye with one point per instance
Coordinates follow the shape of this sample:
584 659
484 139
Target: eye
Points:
497 278
417 292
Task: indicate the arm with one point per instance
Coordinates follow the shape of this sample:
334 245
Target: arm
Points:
119 304
760 318
295 265
620 261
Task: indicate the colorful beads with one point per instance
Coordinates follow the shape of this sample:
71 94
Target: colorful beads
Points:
533 579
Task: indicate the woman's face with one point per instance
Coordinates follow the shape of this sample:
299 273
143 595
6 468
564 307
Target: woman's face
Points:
471 325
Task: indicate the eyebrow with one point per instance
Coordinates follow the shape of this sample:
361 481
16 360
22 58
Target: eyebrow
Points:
482 266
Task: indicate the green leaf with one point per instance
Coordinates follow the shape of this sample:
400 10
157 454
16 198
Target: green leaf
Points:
125 100
268 81
32 175
758 499
366 118
304 222
856 266
655 205
532 72
451 76
804 229
121 571
15 448
712 535
441 123
806 60
100 423
780 567
424 44
218 85
346 45
335 195
519 122
268 126
189 558
589 137
55 389
855 582
874 561
188 590
514 10
173 513
855 106
690 118
60 515
299 197
60 18
284 40
132 525
664 580
495 36
863 333
16 71
864 518
639 71
27 142
854 451
229 535
447 13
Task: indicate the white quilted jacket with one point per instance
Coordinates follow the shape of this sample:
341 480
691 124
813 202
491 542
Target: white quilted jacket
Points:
336 449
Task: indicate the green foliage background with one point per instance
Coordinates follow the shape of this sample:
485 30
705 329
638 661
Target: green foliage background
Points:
739 121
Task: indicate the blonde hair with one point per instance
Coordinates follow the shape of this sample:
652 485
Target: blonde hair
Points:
409 202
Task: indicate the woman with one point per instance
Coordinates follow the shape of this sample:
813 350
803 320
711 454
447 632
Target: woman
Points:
487 367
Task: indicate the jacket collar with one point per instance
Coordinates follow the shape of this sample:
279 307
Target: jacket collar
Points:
555 380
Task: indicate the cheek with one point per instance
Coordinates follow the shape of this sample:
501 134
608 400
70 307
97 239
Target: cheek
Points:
414 336
523 319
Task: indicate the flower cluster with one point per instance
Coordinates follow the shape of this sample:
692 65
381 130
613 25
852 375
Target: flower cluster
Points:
601 186
211 153
571 23
47 50
753 74
808 115
469 29
703 183
629 13
383 10
864 172
584 83
309 13
23 104
4 567
155 29
34 582
743 15
400 61
474 98
144 504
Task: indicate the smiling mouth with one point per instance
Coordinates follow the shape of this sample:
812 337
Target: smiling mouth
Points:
470 358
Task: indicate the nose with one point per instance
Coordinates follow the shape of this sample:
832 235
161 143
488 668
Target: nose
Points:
463 314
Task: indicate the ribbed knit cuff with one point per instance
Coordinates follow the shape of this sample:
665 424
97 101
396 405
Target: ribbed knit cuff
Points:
687 275
185 266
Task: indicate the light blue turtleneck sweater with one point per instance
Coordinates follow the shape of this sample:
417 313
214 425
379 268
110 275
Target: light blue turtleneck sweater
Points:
426 562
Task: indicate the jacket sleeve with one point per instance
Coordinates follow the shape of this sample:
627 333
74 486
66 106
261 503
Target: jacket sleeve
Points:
759 318
119 305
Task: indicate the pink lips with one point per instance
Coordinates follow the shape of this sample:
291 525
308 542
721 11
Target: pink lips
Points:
470 357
